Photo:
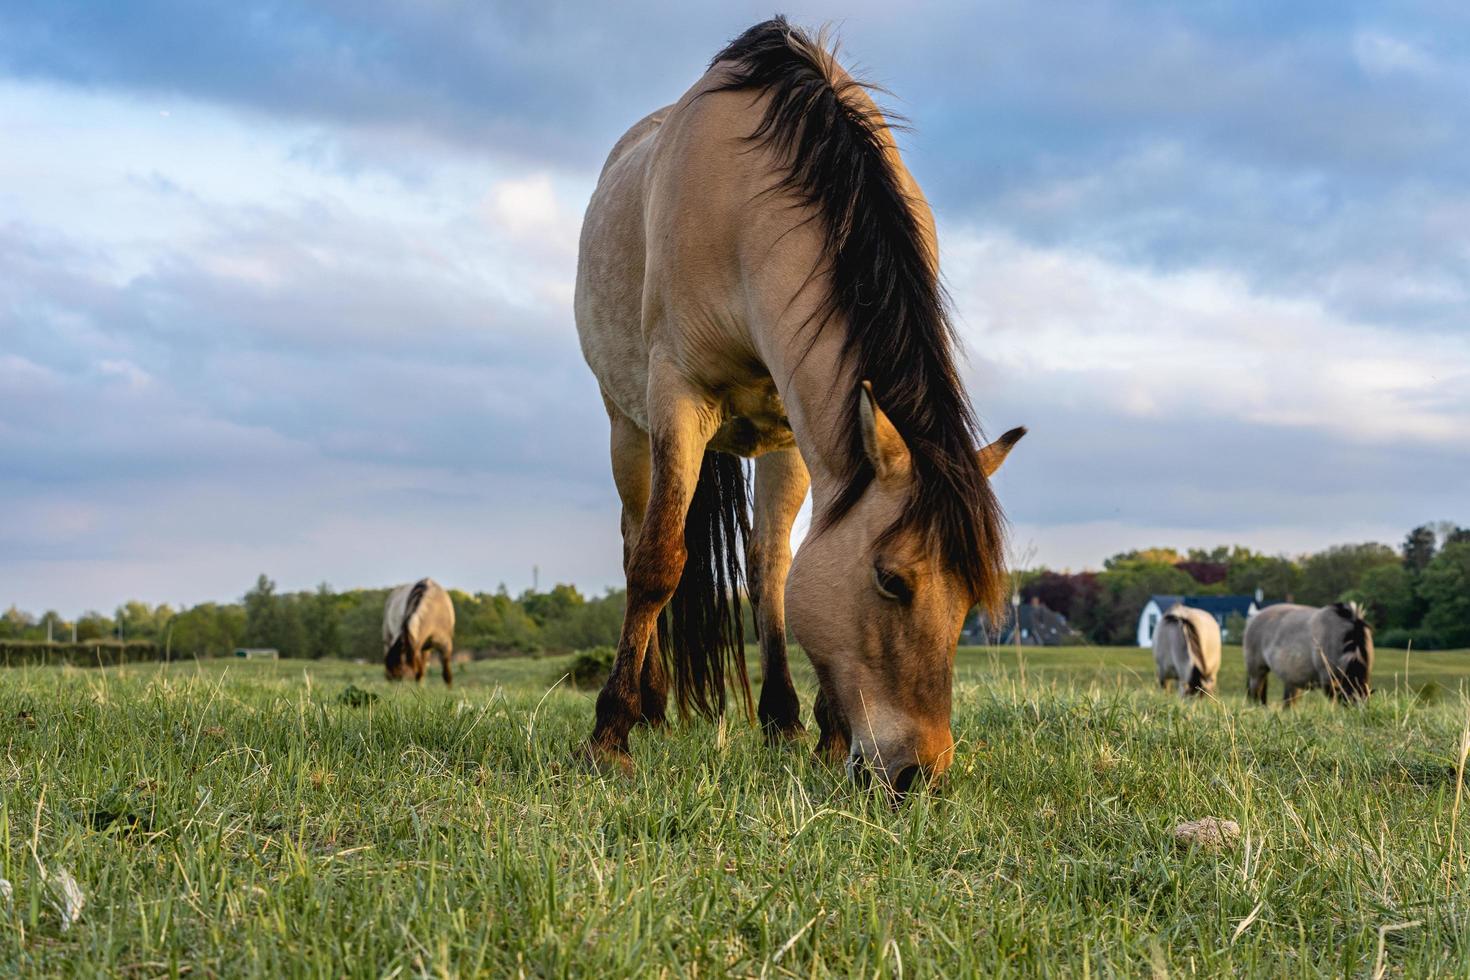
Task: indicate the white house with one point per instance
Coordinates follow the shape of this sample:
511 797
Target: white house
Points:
1219 606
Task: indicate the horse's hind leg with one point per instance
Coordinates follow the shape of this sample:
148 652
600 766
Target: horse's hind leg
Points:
781 483
631 472
1255 673
681 428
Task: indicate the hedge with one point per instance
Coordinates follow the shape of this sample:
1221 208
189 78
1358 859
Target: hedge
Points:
93 653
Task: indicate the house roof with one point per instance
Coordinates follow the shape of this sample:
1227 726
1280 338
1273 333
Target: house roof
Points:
1218 605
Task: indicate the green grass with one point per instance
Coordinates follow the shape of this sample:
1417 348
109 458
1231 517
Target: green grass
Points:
236 818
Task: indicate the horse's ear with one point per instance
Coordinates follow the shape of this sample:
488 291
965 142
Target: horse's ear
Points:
994 454
881 441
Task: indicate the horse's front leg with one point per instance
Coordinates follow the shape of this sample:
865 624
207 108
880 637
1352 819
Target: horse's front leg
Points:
835 738
681 427
632 473
781 483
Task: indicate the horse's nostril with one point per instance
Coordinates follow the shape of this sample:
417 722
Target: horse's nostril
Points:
905 779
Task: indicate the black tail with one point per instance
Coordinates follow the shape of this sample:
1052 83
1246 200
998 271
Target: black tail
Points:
415 598
701 634
1196 680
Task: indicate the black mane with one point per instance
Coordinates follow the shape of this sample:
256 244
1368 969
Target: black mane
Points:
1357 637
884 288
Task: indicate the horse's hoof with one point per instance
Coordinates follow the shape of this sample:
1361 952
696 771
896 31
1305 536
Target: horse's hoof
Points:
601 759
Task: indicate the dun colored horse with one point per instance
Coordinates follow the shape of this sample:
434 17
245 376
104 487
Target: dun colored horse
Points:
1329 648
1187 650
758 278
417 618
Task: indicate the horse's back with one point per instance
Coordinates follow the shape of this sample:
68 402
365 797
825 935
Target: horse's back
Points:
432 614
1280 637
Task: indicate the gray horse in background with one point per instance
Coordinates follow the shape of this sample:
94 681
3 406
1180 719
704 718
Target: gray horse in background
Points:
1329 648
417 617
1187 649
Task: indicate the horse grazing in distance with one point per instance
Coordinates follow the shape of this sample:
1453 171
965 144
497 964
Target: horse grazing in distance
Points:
1329 648
1187 650
758 277
416 618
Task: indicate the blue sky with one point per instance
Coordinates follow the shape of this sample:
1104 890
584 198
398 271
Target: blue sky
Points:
286 287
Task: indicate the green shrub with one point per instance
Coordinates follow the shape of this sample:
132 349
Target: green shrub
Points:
591 667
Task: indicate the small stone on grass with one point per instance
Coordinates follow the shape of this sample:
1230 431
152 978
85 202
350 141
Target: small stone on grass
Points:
1207 832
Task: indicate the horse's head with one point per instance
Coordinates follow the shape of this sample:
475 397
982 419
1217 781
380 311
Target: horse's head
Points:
1352 665
879 612
399 662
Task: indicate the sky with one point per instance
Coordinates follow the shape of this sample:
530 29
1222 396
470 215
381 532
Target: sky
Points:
286 287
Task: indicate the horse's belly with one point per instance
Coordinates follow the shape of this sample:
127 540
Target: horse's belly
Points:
755 423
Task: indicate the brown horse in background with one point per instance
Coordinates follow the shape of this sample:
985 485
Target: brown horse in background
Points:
416 619
758 277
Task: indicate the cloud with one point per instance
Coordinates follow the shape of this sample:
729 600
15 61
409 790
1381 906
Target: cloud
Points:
288 287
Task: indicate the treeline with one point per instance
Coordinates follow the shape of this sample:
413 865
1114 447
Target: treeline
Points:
323 623
1418 592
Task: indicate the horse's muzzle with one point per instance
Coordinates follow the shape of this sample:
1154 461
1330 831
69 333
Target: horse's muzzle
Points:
898 778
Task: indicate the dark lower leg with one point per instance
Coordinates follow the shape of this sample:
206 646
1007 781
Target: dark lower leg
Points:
653 687
836 738
779 709
447 656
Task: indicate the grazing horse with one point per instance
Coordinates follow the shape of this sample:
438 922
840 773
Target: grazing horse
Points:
758 277
416 618
1187 649
1330 648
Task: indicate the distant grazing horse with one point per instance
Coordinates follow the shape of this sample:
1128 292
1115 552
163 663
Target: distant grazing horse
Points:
1187 650
757 276
1330 648
416 618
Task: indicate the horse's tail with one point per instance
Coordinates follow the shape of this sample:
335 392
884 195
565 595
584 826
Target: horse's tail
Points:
701 635
1196 680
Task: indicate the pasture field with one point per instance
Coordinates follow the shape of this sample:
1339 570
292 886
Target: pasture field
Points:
308 819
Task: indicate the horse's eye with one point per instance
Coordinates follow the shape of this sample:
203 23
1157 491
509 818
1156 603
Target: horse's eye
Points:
890 585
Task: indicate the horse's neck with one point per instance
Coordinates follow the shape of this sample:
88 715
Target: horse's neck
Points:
816 385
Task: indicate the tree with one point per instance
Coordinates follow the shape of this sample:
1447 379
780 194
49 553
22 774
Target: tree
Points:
1387 591
273 621
596 622
1445 589
207 630
14 623
1204 572
1061 592
1277 577
321 622
360 630
543 607
1154 556
1123 591
1418 548
92 625
1330 575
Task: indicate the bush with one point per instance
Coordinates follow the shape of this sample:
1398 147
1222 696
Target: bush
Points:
1399 638
591 667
